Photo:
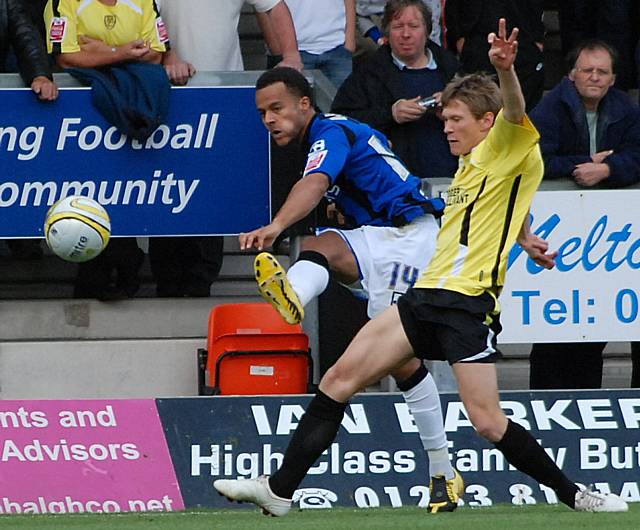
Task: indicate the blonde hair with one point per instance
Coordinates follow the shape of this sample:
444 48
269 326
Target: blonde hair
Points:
478 91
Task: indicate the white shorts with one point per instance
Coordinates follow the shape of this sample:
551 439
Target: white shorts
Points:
390 259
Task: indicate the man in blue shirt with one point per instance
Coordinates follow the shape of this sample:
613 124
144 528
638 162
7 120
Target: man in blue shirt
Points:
390 237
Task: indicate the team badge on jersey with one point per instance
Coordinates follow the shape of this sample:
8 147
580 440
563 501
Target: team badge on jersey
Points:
110 21
314 160
57 29
161 30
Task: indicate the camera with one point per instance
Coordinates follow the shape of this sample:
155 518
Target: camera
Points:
428 103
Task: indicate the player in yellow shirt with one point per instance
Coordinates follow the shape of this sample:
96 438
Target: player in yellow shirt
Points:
490 196
96 33
452 311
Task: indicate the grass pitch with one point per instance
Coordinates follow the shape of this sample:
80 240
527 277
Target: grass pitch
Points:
502 517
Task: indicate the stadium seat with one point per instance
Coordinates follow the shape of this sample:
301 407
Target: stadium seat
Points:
251 350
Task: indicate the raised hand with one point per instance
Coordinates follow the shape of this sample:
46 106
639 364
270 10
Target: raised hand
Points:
503 51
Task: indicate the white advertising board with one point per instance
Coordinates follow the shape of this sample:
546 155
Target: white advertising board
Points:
593 293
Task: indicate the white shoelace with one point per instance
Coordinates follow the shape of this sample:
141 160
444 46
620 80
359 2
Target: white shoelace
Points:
590 498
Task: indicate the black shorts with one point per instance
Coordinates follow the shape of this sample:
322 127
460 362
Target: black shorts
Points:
445 325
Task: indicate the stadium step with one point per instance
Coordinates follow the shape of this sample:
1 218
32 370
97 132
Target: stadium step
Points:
51 277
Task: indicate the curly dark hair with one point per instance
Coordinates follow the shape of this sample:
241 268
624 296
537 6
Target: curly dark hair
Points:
295 82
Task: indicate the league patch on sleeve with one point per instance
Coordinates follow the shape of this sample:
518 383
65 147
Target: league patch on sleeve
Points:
314 160
318 145
161 29
57 29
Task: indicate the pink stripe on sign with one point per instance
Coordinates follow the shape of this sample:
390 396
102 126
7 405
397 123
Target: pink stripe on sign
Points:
85 456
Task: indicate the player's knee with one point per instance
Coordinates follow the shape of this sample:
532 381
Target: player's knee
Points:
488 430
410 369
488 424
339 383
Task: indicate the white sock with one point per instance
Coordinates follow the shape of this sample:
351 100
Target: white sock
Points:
439 463
308 280
424 403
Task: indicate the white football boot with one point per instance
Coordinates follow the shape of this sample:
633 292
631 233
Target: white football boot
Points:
588 500
254 490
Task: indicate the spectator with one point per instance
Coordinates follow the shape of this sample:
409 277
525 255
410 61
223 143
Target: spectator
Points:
208 41
107 33
369 20
611 21
385 91
469 21
18 33
369 36
590 132
208 37
36 9
326 42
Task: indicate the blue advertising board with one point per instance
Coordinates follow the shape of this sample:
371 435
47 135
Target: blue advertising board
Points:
377 458
205 172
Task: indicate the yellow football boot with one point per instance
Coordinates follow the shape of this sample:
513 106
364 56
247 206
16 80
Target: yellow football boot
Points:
274 287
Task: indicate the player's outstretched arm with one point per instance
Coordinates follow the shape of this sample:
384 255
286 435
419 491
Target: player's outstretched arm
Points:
502 55
302 199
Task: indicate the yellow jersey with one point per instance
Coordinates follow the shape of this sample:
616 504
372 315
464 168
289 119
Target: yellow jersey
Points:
486 205
126 21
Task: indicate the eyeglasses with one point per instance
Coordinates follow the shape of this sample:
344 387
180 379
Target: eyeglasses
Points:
590 71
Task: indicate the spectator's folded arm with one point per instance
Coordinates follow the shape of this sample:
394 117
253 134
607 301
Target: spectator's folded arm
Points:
624 167
624 162
94 53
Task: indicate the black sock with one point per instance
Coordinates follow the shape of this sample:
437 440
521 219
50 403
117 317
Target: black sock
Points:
525 454
315 432
413 379
315 257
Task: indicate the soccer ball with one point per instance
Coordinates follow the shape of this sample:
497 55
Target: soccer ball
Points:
77 228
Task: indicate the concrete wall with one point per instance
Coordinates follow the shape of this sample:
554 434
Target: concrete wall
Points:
58 349
98 369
